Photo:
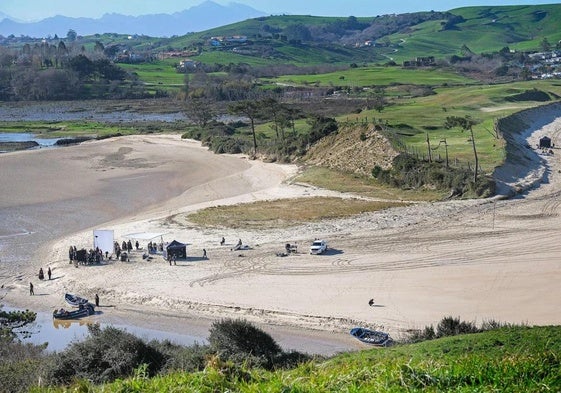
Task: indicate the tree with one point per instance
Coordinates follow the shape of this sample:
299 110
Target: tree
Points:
200 111
466 123
71 35
250 109
297 32
99 47
377 99
545 45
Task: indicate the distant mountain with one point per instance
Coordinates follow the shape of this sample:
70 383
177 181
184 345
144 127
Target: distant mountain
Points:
198 18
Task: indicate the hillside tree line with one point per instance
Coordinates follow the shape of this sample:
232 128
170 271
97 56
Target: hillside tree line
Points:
45 71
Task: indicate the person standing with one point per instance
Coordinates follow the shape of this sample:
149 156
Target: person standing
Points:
204 253
49 272
31 292
96 300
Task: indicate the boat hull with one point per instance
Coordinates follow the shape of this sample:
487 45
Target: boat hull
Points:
371 337
75 301
84 311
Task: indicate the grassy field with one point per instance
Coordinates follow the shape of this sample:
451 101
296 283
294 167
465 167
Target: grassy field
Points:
375 76
158 75
360 185
516 359
283 212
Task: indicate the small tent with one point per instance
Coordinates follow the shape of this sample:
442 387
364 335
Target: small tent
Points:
177 249
545 143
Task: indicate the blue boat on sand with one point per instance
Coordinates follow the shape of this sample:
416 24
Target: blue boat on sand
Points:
75 301
372 337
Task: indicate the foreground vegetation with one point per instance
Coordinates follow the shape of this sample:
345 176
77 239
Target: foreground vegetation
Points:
514 359
454 355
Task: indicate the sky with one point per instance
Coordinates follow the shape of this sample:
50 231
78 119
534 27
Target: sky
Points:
33 10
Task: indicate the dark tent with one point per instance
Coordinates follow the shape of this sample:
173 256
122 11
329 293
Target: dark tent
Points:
545 142
177 249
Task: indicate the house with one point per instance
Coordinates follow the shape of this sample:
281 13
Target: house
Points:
188 65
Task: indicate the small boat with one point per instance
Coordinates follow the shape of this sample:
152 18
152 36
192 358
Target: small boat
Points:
82 311
371 337
74 300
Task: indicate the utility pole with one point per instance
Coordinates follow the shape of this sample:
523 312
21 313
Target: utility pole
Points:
428 144
446 148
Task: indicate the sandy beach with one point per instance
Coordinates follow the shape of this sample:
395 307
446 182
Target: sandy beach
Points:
478 259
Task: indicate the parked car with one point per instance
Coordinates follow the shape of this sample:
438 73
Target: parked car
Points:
318 247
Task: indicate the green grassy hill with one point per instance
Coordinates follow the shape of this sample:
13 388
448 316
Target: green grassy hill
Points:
520 359
483 30
315 40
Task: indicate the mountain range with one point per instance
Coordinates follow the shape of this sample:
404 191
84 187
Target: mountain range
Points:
198 18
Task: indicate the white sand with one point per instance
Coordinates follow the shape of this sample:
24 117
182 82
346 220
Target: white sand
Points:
480 260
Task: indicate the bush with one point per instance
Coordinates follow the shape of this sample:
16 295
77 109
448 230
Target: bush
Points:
241 342
409 172
450 326
181 358
104 356
19 364
226 145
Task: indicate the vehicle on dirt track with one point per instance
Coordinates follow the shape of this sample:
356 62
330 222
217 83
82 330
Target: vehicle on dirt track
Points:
318 247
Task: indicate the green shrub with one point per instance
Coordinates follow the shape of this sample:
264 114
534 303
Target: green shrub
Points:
408 172
104 356
181 358
241 342
450 326
227 145
19 364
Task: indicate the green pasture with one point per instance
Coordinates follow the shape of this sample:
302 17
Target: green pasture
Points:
228 57
70 129
412 119
484 30
375 76
160 74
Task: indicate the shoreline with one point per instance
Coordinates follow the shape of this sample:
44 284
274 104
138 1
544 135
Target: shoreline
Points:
478 259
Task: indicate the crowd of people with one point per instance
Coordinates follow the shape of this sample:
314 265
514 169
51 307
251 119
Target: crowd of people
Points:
86 257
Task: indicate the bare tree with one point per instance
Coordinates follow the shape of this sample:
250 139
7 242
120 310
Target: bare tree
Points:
466 123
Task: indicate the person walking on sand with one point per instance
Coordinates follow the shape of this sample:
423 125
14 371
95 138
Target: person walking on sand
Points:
31 292
49 273
96 300
204 253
